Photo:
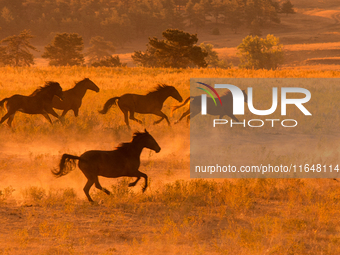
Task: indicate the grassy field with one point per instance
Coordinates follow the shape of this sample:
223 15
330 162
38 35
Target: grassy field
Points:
176 215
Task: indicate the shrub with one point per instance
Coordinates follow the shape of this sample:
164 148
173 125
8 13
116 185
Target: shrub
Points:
260 53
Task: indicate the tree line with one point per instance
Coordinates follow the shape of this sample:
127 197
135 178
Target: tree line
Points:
65 49
121 21
178 49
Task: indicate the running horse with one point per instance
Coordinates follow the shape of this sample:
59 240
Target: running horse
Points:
73 97
212 109
151 103
123 161
39 102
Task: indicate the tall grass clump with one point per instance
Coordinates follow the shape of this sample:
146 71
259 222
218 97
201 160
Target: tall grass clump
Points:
34 194
196 192
6 193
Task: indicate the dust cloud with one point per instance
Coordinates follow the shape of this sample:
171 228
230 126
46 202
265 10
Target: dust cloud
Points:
27 160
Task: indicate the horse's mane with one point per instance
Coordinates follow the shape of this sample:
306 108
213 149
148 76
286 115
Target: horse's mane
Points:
78 82
126 146
41 89
158 88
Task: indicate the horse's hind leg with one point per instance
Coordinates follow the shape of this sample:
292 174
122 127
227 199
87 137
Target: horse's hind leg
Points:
132 184
64 113
47 117
9 116
87 187
231 116
5 117
98 186
10 120
132 117
62 116
186 113
126 117
52 112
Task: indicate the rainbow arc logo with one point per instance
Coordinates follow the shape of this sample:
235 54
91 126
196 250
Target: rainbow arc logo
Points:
208 92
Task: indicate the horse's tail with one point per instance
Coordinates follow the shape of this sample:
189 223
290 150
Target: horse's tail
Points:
66 165
174 108
108 104
2 102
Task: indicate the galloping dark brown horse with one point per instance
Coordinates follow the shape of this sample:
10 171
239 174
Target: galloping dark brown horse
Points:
73 97
151 103
39 102
123 161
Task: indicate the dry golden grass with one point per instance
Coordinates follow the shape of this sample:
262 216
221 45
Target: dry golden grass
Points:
43 215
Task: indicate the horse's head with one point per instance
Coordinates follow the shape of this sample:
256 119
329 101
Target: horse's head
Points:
149 142
245 96
58 91
175 94
88 84
51 89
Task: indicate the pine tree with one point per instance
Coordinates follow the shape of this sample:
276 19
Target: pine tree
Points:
109 62
99 49
177 50
65 49
17 51
287 7
212 58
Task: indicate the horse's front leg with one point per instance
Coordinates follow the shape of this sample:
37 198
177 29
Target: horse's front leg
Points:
51 111
76 112
163 116
126 117
140 174
10 119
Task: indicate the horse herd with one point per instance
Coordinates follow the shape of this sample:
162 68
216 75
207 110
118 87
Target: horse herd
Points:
44 99
122 161
125 159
